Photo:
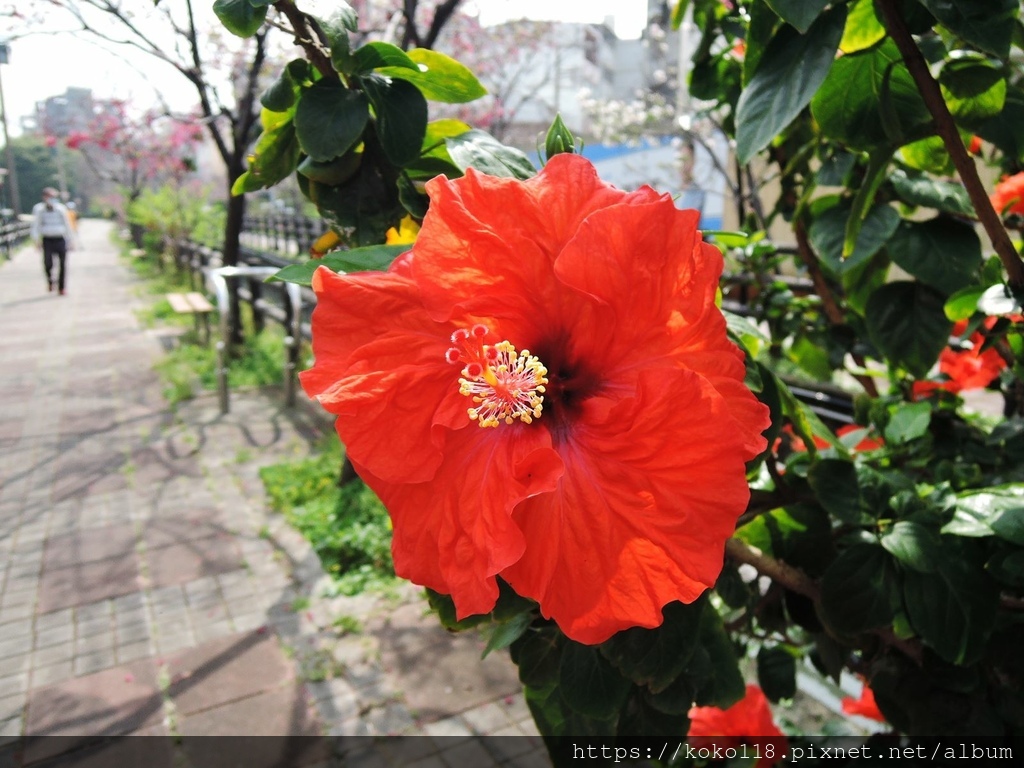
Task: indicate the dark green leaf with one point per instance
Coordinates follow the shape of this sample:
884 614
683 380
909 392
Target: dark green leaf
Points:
919 189
443 604
907 323
479 150
330 119
1006 130
280 96
908 422
333 172
240 17
439 77
998 510
677 699
834 482
401 114
506 633
828 233
589 683
378 54
987 24
787 76
776 673
724 684
1009 524
763 23
538 655
913 545
368 259
953 608
1007 567
874 174
856 590
655 657
275 156
848 106
800 534
800 13
336 26
641 719
863 29
974 88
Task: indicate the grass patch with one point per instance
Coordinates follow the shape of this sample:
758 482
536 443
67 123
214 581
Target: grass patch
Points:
348 527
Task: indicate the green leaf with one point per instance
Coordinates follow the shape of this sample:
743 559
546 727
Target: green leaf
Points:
401 113
863 29
506 633
332 172
641 719
336 27
724 685
834 482
943 252
987 24
589 683
791 69
913 545
240 17
1009 524
973 87
907 323
655 657
828 233
377 54
953 608
370 258
280 96
439 77
800 13
479 150
927 155
559 139
776 673
909 422
330 119
856 590
275 155
800 534
1006 130
874 174
848 106
998 510
538 654
964 303
921 190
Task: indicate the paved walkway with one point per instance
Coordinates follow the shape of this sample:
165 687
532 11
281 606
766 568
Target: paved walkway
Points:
144 587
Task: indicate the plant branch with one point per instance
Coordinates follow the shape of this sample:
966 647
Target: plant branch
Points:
947 130
305 37
797 581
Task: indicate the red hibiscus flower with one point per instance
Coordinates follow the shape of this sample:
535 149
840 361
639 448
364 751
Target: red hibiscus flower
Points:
964 369
747 722
797 445
865 706
542 390
1008 196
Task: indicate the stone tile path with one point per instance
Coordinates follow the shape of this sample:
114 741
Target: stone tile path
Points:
145 588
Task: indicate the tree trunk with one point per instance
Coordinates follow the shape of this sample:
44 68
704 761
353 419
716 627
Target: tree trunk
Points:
230 252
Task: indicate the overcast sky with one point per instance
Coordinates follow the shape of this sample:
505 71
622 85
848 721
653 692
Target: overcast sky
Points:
46 65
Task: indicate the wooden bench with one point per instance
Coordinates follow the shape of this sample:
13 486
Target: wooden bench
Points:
194 304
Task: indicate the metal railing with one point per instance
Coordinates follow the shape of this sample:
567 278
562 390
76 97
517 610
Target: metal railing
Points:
13 232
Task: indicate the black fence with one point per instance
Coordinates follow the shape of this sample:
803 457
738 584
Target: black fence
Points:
13 232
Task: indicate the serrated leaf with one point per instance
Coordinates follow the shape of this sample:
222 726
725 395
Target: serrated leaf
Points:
370 258
789 73
439 77
478 149
856 589
921 190
913 545
240 17
909 422
589 684
401 113
330 119
906 321
953 608
800 13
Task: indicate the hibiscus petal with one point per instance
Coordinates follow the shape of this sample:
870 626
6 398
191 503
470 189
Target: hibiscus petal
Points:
380 368
455 533
652 488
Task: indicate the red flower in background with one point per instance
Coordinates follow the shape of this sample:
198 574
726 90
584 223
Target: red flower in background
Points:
865 706
1008 196
964 368
542 390
749 721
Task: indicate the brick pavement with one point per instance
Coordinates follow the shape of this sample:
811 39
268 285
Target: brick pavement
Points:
145 588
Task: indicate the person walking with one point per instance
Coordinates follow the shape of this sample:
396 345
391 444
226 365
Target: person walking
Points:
53 232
